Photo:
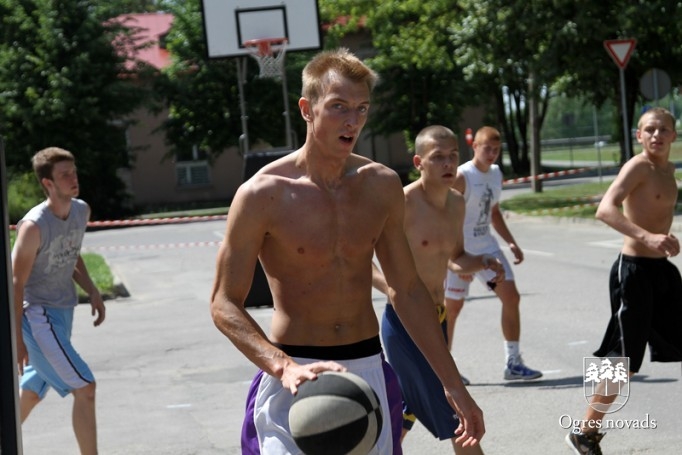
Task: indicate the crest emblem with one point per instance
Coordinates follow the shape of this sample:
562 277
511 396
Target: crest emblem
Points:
606 376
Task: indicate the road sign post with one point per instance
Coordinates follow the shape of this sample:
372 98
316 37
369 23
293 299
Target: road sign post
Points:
620 51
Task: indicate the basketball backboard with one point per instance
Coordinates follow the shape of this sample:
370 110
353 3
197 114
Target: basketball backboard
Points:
229 23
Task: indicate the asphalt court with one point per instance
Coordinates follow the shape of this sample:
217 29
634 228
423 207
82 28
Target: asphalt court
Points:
170 383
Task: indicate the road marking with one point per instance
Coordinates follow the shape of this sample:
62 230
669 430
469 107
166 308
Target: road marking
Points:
551 371
538 253
530 252
576 343
618 243
179 406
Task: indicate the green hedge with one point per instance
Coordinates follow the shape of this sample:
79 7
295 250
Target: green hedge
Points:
23 192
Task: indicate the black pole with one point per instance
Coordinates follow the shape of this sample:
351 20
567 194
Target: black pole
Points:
10 430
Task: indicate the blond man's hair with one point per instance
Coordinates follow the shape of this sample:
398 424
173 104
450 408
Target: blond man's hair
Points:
340 61
487 133
658 111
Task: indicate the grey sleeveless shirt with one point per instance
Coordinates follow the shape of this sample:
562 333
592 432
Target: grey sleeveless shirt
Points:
51 280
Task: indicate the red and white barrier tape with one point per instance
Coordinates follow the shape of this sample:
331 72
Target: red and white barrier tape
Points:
162 246
139 222
547 175
149 221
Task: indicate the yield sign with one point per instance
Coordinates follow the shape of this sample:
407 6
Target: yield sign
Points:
620 50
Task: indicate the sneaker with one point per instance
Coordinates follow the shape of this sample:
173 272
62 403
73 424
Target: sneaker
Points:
517 370
585 443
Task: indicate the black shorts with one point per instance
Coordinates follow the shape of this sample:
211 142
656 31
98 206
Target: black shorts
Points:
646 307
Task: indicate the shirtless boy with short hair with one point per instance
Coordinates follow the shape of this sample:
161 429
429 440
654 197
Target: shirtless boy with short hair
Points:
645 287
315 218
434 214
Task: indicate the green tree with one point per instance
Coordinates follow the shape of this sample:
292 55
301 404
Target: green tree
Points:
589 71
202 94
505 45
414 55
63 83
107 9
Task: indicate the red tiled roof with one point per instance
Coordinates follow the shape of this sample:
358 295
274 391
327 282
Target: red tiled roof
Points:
150 28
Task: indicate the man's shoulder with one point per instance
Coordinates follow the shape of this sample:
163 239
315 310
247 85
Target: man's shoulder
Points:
641 167
456 196
364 164
466 166
35 213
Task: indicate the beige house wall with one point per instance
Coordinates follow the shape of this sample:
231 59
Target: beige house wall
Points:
152 179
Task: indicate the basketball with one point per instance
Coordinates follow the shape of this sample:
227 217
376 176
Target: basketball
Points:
336 414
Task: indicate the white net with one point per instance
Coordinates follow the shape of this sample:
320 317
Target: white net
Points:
270 57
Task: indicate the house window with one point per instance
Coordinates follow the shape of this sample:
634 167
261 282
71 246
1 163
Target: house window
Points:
192 169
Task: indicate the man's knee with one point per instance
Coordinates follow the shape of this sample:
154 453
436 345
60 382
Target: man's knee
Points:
453 307
508 294
86 393
29 397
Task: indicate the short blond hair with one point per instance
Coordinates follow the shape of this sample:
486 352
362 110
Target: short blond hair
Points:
341 61
487 133
658 111
430 134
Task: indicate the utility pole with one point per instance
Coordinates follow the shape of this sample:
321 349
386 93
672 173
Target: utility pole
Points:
535 170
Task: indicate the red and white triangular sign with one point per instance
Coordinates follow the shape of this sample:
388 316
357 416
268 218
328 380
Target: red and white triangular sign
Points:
620 50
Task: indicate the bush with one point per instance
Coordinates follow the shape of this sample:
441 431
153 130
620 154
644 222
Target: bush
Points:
23 192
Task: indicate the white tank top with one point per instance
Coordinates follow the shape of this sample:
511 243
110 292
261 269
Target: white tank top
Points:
482 192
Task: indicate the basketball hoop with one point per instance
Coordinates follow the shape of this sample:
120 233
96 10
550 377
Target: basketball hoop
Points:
269 53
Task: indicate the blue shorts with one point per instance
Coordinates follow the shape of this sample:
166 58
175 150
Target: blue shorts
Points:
53 362
266 423
423 395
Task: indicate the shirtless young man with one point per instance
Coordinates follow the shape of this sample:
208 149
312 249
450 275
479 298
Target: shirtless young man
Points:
314 219
434 214
645 287
480 181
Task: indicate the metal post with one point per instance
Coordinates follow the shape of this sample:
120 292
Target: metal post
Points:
535 168
10 430
241 80
596 140
287 117
624 107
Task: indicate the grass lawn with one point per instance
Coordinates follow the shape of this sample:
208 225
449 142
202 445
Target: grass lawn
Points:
610 153
567 201
571 200
100 274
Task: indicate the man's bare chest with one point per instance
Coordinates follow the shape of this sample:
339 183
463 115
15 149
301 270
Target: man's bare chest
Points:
323 226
